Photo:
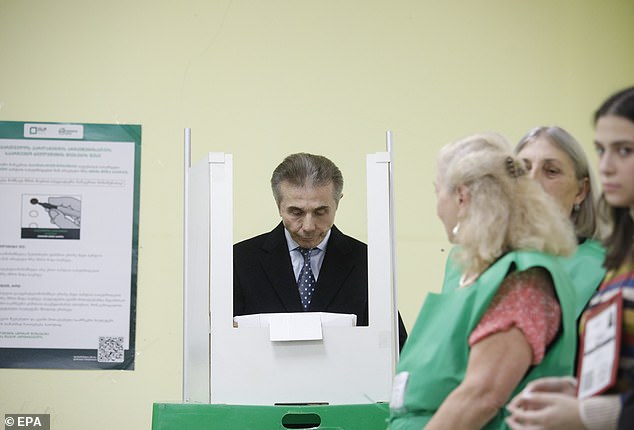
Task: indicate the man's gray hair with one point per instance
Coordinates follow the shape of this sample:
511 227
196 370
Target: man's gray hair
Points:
304 169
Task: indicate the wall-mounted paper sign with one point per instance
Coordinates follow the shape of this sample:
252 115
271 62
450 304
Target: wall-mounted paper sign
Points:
68 244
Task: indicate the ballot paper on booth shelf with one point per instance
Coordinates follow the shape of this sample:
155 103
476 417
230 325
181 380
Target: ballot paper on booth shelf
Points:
296 325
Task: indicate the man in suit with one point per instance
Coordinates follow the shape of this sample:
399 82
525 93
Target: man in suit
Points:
305 263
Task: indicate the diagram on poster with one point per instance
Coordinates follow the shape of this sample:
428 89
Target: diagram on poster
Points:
51 216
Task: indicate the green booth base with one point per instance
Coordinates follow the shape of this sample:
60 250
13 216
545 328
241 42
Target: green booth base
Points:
194 416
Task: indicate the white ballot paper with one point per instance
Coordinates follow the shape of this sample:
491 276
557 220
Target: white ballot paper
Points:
296 325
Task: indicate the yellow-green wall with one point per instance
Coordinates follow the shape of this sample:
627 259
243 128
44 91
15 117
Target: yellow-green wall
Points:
261 79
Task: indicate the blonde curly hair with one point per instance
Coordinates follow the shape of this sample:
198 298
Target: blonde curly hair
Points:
507 210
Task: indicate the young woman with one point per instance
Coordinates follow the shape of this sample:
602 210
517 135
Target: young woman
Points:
603 397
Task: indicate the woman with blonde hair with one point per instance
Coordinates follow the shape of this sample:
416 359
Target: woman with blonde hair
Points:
554 159
509 318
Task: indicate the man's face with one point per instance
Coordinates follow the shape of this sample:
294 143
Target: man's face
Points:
307 212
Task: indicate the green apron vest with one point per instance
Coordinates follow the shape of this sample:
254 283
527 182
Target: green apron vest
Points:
585 268
437 351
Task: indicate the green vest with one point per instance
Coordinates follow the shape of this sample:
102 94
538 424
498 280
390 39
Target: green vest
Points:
437 351
585 268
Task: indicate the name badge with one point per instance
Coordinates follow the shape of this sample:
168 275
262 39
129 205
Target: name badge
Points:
600 347
397 403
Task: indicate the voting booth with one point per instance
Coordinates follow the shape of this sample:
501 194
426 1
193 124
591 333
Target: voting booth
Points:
280 364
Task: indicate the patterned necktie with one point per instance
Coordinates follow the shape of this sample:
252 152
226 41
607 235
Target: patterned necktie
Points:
306 280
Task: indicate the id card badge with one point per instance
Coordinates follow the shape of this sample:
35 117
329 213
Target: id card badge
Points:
399 385
600 347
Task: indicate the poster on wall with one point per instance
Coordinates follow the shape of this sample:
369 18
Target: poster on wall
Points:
69 197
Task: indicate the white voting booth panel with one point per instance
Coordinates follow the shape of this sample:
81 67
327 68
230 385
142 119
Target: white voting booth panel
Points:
243 366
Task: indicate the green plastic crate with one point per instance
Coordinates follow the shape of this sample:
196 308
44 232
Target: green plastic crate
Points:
175 416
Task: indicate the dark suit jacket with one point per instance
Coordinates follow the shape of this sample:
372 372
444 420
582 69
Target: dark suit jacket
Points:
264 281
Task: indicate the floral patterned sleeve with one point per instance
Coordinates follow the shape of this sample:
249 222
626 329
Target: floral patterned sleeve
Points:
525 300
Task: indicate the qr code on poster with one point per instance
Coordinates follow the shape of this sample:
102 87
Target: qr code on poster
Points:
110 349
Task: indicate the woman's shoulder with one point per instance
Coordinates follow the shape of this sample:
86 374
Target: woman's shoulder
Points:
539 265
535 277
622 277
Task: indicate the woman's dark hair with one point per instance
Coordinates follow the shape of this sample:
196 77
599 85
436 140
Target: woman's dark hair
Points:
618 104
619 242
